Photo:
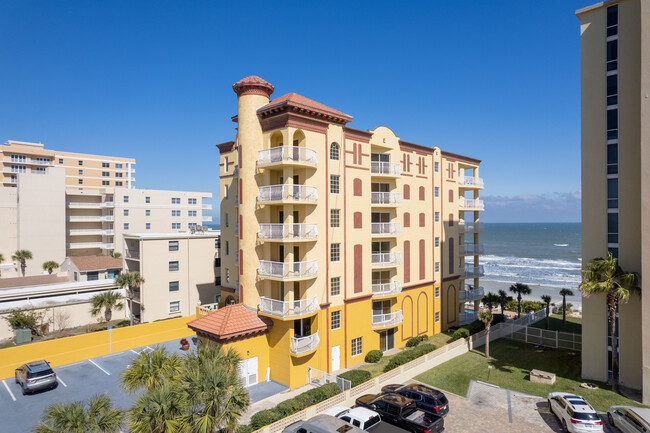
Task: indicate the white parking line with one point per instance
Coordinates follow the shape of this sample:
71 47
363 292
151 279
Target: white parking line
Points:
62 382
70 365
137 353
150 349
98 366
8 390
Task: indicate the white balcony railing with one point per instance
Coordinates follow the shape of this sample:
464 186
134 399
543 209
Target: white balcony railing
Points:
386 289
471 294
91 232
288 231
388 168
472 271
306 344
207 308
471 249
287 193
465 318
472 227
206 206
287 309
471 181
84 205
288 270
389 319
206 218
470 203
287 154
386 229
386 259
386 198
91 218
80 245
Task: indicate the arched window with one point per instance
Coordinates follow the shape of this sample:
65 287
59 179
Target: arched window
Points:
335 151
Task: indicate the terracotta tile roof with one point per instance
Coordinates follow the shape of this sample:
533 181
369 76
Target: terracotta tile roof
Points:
32 281
252 79
299 100
96 263
230 322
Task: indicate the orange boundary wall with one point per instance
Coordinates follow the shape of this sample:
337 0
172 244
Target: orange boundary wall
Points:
79 347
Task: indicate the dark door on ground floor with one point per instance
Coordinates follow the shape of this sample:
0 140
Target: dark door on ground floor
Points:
387 340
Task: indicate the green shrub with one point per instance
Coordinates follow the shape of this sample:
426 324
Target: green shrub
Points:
264 418
408 355
122 324
245 428
374 356
288 407
460 333
302 401
356 377
526 306
416 340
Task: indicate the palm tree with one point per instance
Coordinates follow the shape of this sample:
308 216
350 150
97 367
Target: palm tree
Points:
49 266
564 293
151 370
116 255
100 416
485 316
22 256
108 301
503 300
547 300
519 289
129 280
605 276
211 382
490 300
160 410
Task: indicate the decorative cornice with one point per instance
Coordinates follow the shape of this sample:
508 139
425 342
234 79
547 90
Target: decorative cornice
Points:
357 134
226 147
456 157
253 85
303 110
294 120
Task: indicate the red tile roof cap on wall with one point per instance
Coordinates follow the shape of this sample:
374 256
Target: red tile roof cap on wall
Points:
96 263
231 322
253 85
297 101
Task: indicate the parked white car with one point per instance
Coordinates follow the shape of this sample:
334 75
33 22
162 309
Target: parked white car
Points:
574 413
629 419
360 417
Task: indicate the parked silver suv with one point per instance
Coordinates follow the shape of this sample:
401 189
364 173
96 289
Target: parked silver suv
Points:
574 413
35 376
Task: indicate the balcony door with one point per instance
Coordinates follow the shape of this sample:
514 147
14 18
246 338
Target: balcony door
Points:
381 217
387 340
381 247
301 328
380 187
381 307
380 277
380 157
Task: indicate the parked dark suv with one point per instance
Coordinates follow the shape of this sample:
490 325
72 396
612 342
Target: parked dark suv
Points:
36 376
425 397
401 411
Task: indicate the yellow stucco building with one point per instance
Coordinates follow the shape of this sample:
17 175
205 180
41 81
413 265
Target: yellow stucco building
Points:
339 241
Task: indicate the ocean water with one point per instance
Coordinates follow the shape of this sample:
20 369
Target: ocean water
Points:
546 256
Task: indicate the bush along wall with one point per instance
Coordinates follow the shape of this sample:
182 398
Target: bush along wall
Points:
416 340
356 377
408 355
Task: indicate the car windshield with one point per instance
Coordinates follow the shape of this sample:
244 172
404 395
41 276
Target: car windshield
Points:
585 416
443 400
39 373
372 421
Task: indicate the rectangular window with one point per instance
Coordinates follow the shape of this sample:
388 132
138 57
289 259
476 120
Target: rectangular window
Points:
80 181
126 226
612 119
81 172
126 199
174 306
105 174
436 191
227 248
60 160
217 243
227 274
437 316
191 213
190 225
612 15
334 184
335 286
612 193
226 222
225 191
173 245
191 201
335 218
357 346
173 286
612 228
436 216
436 167
335 252
225 165
147 199
118 174
176 226
81 162
437 242
173 266
176 213
118 165
118 184
105 164
437 267
147 212
437 292
176 200
106 182
147 226
126 212
612 85
336 320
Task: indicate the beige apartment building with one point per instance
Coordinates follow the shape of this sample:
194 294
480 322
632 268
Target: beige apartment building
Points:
348 240
615 80
181 271
81 170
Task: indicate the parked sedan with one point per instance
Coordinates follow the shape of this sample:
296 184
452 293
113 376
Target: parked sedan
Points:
35 376
629 419
425 397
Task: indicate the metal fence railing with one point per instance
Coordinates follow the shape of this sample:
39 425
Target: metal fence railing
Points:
318 378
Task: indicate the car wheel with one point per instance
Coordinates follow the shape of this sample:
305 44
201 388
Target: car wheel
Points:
23 390
55 385
16 378
610 418
550 408
564 427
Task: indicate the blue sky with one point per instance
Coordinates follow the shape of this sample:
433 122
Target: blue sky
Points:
498 81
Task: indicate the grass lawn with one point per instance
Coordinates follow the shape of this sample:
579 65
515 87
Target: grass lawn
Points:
512 362
573 324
